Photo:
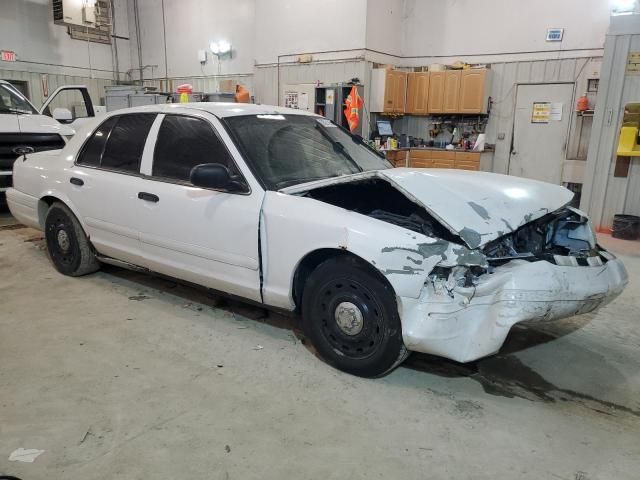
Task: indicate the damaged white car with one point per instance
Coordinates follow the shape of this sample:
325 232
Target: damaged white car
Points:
287 210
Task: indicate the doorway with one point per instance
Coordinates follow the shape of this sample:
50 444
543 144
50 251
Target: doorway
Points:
540 128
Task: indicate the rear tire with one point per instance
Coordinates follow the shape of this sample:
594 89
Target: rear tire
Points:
69 248
351 317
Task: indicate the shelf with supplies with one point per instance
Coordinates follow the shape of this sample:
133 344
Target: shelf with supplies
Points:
330 102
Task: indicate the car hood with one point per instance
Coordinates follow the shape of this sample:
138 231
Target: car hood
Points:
478 206
43 124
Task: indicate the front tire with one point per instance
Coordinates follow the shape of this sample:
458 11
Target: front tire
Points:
350 316
68 246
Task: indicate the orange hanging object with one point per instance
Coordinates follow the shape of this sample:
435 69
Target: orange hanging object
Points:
583 103
242 94
353 104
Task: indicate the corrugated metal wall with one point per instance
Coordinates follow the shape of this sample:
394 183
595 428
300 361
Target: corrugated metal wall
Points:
266 77
95 85
503 92
603 194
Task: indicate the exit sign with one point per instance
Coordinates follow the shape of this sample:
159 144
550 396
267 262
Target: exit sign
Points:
7 56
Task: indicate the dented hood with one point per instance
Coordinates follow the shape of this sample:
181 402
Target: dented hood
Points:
478 206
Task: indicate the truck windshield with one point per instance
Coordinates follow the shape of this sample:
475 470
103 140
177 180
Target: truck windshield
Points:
12 101
285 150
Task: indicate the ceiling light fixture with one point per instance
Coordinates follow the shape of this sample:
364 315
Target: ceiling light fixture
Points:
219 48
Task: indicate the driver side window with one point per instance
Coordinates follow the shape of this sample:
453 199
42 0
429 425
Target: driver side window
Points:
184 142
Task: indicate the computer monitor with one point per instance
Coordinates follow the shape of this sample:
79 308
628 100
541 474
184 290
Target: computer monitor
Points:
384 128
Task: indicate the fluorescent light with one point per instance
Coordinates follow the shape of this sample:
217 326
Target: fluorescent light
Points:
215 49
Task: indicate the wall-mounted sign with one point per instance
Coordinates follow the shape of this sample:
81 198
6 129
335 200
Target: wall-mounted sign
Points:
555 34
7 56
633 63
541 112
330 96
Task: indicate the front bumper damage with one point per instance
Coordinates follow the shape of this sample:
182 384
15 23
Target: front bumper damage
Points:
467 323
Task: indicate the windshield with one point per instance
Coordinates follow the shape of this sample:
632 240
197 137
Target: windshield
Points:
286 150
12 101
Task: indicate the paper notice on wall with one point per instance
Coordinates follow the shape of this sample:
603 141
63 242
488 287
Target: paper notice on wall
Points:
291 99
330 97
633 63
556 111
541 112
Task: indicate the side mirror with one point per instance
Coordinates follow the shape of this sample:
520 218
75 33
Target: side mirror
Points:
214 175
63 115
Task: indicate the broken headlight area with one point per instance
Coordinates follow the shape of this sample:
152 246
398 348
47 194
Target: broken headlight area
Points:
564 237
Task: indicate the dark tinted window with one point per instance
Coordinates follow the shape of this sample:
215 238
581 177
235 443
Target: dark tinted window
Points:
126 142
184 142
92 150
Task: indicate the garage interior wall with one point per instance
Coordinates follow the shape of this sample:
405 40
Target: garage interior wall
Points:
42 47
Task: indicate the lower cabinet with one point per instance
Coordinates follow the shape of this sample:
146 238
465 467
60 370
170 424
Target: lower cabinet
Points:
422 158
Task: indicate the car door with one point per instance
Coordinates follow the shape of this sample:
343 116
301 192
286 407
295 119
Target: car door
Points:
105 181
70 105
203 236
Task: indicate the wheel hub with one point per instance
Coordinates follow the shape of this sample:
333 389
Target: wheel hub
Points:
63 240
349 318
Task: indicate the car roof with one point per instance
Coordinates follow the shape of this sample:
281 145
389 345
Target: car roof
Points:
219 109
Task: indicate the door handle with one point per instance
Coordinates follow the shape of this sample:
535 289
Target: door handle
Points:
76 181
149 197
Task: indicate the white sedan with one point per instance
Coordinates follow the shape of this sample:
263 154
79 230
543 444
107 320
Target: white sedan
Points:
287 210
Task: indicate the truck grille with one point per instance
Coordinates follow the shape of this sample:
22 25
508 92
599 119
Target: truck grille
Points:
38 141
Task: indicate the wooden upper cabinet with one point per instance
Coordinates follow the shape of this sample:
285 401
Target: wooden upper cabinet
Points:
451 101
399 81
417 93
388 90
472 91
435 102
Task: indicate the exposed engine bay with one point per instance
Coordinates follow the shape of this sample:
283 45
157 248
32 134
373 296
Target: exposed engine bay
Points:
378 199
562 237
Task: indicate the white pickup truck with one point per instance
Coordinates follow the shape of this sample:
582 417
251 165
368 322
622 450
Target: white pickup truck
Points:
25 129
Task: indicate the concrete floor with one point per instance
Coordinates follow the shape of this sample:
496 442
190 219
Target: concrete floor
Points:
120 375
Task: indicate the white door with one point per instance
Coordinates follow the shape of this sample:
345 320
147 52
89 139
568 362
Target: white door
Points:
70 105
203 236
105 182
540 130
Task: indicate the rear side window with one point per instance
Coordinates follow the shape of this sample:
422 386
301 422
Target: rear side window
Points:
92 150
118 143
184 142
126 142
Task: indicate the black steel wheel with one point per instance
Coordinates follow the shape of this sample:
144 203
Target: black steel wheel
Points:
351 317
68 246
